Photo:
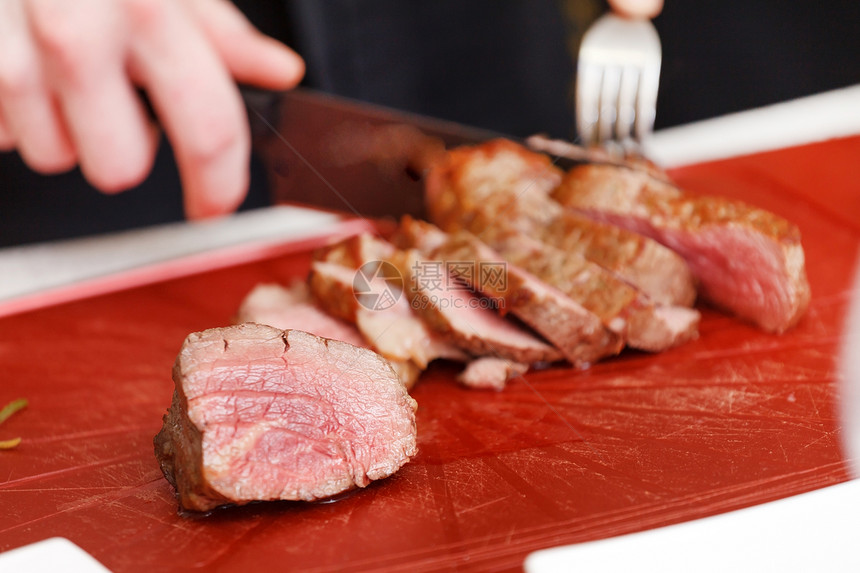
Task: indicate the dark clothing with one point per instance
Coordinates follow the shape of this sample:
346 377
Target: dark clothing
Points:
36 208
726 56
502 65
505 65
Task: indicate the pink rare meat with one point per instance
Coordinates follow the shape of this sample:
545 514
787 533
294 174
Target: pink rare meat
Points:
747 260
263 414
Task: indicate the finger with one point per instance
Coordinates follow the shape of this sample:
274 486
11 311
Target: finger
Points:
251 57
198 105
637 8
83 46
31 119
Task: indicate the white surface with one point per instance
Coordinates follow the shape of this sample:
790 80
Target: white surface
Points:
849 386
32 268
816 531
805 120
50 556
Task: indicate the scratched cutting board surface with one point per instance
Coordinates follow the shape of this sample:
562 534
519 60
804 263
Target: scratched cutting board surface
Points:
735 418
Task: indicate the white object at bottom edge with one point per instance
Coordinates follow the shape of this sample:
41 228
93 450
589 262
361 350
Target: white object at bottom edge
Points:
50 556
815 531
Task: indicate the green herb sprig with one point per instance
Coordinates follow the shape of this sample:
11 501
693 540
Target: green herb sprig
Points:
7 411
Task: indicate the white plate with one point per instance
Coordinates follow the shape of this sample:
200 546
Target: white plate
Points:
815 531
50 556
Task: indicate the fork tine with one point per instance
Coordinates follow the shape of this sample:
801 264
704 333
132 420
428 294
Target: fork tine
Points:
617 80
646 101
608 102
627 95
588 80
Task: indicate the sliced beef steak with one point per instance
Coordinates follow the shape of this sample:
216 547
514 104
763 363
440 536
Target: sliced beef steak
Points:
263 414
622 308
490 373
496 183
390 326
654 269
293 308
501 187
450 308
355 251
578 333
747 260
419 235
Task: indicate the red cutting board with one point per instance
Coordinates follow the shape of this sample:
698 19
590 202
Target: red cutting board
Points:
735 418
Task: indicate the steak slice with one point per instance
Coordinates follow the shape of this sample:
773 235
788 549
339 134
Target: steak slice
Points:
654 269
390 327
419 235
444 304
490 373
576 332
450 308
293 308
748 261
263 414
353 252
622 308
451 312
500 186
476 188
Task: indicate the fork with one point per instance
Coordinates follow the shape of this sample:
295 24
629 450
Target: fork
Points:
618 76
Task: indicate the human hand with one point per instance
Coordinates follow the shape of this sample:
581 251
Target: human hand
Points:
68 78
637 8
